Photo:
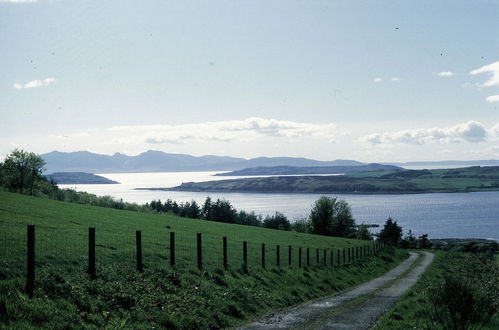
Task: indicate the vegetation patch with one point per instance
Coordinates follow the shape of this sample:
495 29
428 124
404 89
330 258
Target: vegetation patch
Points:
459 291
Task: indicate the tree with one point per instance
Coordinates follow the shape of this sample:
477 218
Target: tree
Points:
363 233
409 242
303 225
332 217
206 210
249 219
35 164
424 242
277 221
391 233
20 169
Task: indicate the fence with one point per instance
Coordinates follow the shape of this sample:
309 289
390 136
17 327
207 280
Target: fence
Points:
87 250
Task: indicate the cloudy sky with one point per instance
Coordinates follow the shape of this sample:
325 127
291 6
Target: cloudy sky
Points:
364 80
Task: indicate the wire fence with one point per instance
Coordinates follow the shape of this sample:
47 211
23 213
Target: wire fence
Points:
89 249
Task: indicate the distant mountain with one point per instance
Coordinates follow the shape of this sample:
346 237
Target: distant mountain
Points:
158 161
78 178
299 170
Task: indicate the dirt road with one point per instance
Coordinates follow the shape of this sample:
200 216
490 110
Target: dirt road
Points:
358 308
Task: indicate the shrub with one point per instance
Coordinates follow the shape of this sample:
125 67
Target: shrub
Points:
457 303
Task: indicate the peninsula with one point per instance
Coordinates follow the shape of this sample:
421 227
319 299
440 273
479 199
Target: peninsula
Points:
474 178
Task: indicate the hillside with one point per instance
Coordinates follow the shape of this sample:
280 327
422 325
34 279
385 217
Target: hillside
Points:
297 170
161 296
466 179
158 161
78 178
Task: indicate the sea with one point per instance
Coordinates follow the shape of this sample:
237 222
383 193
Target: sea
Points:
440 215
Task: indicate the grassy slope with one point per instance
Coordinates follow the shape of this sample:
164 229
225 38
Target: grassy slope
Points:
160 297
408 313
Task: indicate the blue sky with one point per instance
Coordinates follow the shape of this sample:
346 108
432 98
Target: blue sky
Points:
365 80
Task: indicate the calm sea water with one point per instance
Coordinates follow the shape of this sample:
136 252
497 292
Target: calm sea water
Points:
457 215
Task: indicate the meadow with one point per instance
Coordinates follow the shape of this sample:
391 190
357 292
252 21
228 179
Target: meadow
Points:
179 297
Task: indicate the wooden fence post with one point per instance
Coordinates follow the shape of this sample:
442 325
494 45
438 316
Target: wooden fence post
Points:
30 278
317 253
344 257
332 261
138 245
308 256
299 257
245 255
289 255
338 257
172 249
348 254
263 255
91 252
278 256
225 252
199 250
325 257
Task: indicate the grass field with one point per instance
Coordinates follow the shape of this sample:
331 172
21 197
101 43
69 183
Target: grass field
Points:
184 297
62 229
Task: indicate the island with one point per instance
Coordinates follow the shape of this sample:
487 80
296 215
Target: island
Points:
78 178
474 178
300 170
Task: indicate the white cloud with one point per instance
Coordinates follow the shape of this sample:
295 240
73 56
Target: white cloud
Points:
250 129
493 69
471 131
378 79
395 79
19 1
445 74
492 98
35 83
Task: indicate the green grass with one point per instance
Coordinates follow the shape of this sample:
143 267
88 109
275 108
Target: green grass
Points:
409 312
61 234
184 297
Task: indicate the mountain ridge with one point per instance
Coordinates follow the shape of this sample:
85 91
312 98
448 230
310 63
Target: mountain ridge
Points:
159 161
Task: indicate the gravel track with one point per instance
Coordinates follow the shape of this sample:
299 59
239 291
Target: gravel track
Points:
357 308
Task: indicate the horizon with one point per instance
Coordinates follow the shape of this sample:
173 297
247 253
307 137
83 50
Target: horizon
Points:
337 159
387 81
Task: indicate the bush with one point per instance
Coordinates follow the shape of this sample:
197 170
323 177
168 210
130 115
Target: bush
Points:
457 303
277 221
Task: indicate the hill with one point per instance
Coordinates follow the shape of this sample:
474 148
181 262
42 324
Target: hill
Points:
161 296
158 161
296 170
78 178
465 179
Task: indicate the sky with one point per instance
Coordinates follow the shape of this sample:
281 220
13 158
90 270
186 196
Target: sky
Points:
374 81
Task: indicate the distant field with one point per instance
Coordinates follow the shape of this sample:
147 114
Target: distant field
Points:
61 236
465 179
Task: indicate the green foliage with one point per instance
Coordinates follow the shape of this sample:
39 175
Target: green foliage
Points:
391 234
332 217
20 171
457 303
302 226
409 241
424 242
458 291
363 233
184 297
277 221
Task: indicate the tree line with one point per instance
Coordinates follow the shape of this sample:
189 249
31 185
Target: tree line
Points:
21 172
